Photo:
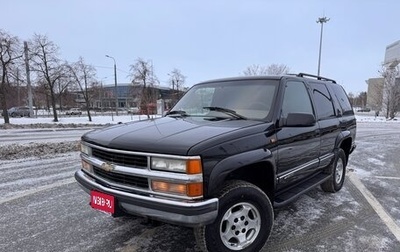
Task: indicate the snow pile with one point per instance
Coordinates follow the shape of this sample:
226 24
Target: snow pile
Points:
48 125
17 151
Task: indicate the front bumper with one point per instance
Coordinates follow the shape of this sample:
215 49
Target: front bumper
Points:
190 214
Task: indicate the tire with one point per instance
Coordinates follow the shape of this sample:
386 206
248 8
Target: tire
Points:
338 173
244 222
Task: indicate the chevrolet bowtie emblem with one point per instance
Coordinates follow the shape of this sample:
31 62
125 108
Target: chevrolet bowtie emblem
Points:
107 167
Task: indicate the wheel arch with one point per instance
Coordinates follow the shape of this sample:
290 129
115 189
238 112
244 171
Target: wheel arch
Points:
344 141
256 167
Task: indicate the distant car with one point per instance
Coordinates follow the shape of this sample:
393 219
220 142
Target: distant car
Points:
133 110
74 111
364 110
18 112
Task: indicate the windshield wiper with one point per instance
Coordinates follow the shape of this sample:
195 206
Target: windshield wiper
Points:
177 112
226 111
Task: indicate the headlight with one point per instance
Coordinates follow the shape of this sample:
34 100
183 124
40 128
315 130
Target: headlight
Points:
86 149
173 165
189 166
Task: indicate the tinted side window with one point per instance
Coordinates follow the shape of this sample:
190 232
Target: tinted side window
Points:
323 101
296 99
341 96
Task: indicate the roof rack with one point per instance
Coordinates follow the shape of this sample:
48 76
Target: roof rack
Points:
315 76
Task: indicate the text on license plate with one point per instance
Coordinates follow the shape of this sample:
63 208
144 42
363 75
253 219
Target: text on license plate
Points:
102 201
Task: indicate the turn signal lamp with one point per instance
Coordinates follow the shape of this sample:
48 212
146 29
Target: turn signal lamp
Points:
190 190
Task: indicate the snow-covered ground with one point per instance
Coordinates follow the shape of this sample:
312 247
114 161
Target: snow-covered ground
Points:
78 120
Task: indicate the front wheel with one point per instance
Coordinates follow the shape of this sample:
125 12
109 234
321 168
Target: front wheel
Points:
244 221
338 172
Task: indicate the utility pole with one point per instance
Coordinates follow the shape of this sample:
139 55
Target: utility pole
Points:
28 79
101 96
116 89
321 20
18 89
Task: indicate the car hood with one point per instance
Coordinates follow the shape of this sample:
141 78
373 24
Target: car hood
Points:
166 135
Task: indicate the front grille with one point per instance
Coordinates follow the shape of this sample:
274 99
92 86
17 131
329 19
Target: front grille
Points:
123 179
120 158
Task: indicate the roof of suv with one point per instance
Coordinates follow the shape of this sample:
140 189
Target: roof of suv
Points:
272 77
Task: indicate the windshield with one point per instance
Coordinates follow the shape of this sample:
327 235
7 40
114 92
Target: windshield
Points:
241 99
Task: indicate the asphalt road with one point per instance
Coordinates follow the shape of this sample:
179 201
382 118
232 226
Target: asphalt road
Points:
43 209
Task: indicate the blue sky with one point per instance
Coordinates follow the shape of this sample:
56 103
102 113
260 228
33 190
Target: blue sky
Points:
211 39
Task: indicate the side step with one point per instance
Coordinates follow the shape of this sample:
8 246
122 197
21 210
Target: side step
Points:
290 195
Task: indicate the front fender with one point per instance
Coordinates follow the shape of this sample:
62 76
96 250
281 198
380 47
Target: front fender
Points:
225 167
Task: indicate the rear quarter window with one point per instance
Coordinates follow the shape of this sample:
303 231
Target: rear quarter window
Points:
323 101
340 95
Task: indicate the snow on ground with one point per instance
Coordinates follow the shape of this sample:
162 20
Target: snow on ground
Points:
51 146
43 150
72 121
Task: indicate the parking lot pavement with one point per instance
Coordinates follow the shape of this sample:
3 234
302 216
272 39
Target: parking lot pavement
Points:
332 222
363 216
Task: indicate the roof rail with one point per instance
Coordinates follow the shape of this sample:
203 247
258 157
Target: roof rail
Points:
315 76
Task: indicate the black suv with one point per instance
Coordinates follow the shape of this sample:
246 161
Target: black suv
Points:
227 154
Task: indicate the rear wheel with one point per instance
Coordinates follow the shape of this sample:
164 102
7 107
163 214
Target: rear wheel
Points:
338 172
244 220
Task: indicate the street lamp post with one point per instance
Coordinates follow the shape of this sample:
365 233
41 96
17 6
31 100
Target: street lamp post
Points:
321 20
101 95
115 79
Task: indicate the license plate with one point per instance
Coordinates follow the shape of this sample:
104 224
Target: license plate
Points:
102 202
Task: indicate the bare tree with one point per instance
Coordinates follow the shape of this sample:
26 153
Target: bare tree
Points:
177 82
351 98
362 99
391 91
62 85
278 69
273 69
84 76
255 69
10 51
358 101
48 66
42 94
143 74
177 79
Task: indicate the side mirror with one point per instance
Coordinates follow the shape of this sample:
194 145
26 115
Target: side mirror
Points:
300 119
